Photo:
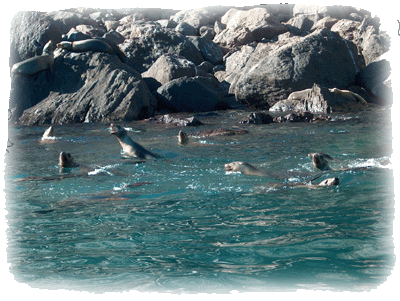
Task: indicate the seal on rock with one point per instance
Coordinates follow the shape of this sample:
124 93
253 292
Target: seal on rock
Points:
130 147
349 94
243 167
320 160
96 45
36 64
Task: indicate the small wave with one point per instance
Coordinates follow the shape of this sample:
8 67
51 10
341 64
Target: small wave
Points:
383 162
102 169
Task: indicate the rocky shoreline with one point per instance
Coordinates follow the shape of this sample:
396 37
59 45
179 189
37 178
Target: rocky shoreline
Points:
300 60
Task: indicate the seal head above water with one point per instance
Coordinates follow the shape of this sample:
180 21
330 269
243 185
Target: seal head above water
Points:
320 160
65 160
129 147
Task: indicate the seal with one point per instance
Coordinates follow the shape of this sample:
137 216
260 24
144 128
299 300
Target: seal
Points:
130 147
320 160
65 160
36 64
96 45
349 94
298 95
183 138
244 167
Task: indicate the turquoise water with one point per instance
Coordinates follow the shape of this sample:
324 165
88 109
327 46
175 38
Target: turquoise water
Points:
183 224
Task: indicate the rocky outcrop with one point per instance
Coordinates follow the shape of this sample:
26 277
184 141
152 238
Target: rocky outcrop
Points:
322 57
320 99
88 87
258 54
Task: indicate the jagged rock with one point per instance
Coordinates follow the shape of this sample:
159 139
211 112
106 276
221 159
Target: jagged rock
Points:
100 88
169 67
300 117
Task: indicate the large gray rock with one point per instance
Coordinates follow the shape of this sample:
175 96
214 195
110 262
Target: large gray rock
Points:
210 51
322 57
169 67
319 100
196 94
143 51
91 87
30 31
245 26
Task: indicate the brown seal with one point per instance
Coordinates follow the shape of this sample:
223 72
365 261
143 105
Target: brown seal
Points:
243 167
320 160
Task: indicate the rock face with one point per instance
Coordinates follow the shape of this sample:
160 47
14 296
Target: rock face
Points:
319 100
99 87
321 57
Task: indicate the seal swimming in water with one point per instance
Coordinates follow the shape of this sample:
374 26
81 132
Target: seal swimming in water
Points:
320 160
130 147
182 138
65 160
243 167
36 64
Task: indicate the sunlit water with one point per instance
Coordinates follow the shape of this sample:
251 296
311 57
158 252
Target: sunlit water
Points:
186 225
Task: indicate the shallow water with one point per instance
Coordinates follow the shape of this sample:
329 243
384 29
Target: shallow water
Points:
183 224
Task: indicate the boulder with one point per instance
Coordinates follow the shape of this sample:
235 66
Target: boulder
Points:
250 25
335 11
301 117
169 67
66 20
99 88
142 52
209 50
207 32
200 16
186 29
322 57
29 32
320 99
195 94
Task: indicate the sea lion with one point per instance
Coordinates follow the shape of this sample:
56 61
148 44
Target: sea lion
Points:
319 160
96 45
36 64
298 95
349 94
129 147
65 160
243 167
182 138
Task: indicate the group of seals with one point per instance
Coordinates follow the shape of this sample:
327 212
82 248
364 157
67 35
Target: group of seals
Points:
36 64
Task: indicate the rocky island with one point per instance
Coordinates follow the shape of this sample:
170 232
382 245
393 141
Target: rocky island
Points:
132 64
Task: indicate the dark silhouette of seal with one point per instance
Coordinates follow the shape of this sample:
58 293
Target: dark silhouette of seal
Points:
129 147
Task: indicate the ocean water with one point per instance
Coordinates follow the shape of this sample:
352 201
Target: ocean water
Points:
183 224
